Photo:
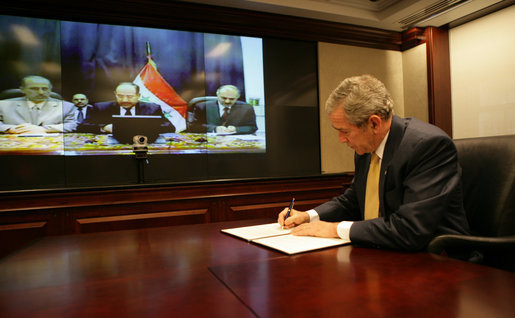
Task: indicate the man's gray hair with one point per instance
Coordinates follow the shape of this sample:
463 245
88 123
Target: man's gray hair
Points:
36 78
361 97
224 87
136 87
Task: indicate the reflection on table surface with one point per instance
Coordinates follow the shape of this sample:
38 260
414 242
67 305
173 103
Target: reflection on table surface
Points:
93 144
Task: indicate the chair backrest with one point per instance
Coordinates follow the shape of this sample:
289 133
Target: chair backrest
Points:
16 92
191 105
488 177
200 99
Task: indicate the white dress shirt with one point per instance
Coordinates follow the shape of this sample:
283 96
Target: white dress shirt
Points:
343 227
221 108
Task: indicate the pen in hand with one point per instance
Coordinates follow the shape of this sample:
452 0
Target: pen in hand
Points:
289 210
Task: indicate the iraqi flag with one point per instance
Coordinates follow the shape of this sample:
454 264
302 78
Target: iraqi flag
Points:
155 89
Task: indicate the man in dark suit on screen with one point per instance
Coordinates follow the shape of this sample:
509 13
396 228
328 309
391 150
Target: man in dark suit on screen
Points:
226 115
407 184
99 117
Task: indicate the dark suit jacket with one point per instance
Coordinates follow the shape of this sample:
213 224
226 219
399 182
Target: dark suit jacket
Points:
101 114
206 116
419 190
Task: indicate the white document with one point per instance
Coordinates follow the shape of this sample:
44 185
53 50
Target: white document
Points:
253 232
273 236
291 244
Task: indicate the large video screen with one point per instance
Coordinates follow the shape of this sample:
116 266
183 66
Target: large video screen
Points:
73 89
77 96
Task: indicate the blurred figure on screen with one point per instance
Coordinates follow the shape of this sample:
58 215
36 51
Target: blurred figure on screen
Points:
36 112
127 103
226 115
81 107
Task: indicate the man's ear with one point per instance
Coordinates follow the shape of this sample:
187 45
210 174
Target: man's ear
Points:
375 121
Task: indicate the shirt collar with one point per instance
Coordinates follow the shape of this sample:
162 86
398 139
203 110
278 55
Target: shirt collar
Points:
380 150
32 104
132 110
221 107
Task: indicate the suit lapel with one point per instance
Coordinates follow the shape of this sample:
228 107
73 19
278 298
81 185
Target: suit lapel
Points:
23 111
49 109
212 113
394 139
232 113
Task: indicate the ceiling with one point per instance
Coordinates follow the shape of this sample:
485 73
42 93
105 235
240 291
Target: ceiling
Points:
396 15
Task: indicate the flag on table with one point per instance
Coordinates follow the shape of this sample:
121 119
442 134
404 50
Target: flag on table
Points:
155 89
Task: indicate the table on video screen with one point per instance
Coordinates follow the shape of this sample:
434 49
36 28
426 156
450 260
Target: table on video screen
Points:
103 144
197 271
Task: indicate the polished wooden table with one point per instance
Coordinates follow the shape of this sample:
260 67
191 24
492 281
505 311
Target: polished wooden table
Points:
196 271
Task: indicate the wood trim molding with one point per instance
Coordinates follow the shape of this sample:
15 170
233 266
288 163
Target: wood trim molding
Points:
276 205
207 18
59 199
133 221
412 38
82 210
141 216
439 78
15 236
22 226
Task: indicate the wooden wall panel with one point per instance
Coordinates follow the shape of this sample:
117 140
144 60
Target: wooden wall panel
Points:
14 236
60 212
439 78
270 210
140 220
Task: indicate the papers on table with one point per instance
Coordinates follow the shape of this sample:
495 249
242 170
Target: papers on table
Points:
273 236
250 233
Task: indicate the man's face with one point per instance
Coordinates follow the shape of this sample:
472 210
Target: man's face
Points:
126 96
80 100
36 90
359 139
228 96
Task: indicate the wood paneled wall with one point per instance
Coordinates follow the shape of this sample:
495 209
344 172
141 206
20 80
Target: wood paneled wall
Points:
27 215
439 78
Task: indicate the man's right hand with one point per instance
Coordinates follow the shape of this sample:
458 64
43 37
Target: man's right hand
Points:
26 128
107 129
295 218
225 130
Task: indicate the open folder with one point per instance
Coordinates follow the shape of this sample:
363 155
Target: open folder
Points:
273 236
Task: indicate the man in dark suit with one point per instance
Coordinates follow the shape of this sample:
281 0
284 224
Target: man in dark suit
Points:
417 193
226 115
82 107
99 117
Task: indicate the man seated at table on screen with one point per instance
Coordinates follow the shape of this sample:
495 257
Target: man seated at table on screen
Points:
127 103
36 112
82 106
226 115
407 184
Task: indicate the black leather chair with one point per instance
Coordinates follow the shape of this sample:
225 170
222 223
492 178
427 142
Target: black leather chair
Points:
488 178
191 105
201 99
